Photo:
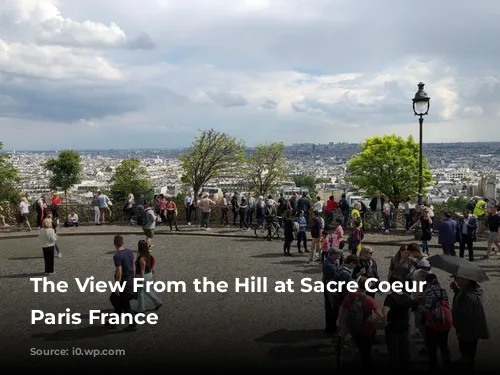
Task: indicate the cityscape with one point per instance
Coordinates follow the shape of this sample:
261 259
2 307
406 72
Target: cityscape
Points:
459 170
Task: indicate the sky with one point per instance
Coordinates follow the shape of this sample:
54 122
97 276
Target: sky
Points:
151 73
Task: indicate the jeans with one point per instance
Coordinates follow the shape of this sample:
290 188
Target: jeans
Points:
467 241
48 258
434 341
141 305
329 219
302 237
224 220
408 221
449 249
387 222
243 218
250 216
425 246
345 215
189 212
97 214
205 219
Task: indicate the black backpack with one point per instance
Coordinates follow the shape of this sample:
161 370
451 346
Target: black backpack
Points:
355 319
471 205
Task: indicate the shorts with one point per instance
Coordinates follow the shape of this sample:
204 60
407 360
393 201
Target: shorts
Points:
150 233
24 218
492 238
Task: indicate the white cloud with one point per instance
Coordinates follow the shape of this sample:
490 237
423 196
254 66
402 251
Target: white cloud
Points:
289 70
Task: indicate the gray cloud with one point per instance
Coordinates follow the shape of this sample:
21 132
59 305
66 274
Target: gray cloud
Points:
227 99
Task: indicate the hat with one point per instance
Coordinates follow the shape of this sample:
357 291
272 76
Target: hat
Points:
335 251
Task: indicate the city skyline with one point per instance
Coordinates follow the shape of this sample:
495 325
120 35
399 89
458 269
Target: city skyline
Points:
150 74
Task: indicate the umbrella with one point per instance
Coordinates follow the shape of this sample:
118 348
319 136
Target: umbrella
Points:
459 267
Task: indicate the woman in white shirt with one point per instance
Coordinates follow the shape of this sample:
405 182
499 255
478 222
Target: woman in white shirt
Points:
48 238
24 213
387 214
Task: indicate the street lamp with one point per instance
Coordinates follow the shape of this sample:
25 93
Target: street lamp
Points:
421 104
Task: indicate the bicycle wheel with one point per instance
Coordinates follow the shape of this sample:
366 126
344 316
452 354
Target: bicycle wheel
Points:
261 232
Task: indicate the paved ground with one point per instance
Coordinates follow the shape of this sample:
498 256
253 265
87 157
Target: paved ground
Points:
221 330
396 238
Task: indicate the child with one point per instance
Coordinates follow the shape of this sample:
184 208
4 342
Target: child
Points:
355 239
325 245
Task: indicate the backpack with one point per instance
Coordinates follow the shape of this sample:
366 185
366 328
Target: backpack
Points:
344 206
471 205
355 319
439 317
270 211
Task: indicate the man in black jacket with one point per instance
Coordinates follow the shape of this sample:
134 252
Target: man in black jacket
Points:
377 207
467 234
304 205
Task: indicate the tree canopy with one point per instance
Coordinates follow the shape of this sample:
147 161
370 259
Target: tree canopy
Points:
305 181
388 164
66 171
130 177
9 178
265 167
210 154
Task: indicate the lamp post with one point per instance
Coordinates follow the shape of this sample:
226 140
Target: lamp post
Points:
421 104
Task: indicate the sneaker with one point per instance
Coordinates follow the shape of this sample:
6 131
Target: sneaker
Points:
189 223
386 231
59 255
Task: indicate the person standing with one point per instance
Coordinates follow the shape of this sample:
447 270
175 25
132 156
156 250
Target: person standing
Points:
345 209
270 217
493 221
425 222
149 225
171 209
38 206
243 211
140 205
251 209
448 233
224 211
316 233
124 274
387 212
408 216
401 265
128 208
468 228
358 309
48 238
396 314
97 210
234 206
337 238
301 233
104 203
304 204
469 319
206 207
377 207
190 206
24 212
288 229
331 205
330 267
55 223
144 269
55 204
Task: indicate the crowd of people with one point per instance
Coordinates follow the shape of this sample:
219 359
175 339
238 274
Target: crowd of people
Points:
337 244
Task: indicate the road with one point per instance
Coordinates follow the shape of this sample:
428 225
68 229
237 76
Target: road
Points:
220 331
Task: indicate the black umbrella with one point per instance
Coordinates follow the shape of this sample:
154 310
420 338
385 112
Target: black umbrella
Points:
459 267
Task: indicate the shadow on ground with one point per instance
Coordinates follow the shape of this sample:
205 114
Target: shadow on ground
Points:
22 275
25 258
77 334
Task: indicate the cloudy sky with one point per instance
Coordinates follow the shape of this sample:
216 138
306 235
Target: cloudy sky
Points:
150 73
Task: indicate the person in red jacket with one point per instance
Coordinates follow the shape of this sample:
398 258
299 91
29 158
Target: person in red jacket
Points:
331 205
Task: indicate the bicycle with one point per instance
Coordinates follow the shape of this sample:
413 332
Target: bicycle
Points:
276 230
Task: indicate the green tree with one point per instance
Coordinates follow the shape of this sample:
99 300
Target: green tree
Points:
210 154
388 164
130 177
66 171
265 167
9 178
305 181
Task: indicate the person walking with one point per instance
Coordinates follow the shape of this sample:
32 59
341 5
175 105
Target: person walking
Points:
224 211
123 260
48 238
468 227
493 221
144 265
150 225
448 234
377 207
206 208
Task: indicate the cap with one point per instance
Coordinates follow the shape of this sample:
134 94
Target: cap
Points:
335 251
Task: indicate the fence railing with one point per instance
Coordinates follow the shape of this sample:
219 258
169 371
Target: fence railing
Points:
85 214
